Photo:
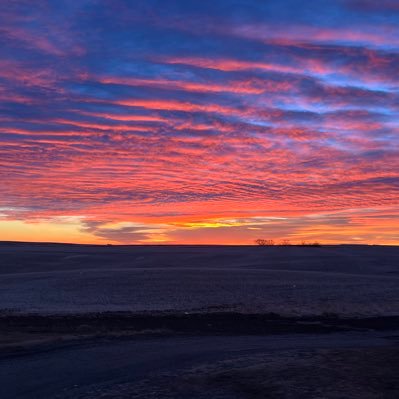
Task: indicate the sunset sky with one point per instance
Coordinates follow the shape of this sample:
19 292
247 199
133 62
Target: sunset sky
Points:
212 121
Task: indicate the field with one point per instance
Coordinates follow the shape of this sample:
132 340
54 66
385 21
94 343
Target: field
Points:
347 280
198 321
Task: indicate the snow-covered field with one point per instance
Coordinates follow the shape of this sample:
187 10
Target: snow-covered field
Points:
52 278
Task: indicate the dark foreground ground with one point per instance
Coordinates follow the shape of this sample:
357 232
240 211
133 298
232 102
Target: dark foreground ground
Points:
350 365
198 322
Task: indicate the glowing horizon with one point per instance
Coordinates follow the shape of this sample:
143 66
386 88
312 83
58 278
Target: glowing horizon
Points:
199 122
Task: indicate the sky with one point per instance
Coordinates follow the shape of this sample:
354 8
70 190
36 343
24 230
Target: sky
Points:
199 122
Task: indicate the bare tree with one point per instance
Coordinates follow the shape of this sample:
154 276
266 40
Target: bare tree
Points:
310 244
285 243
263 242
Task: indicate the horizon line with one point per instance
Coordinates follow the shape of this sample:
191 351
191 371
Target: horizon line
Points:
194 245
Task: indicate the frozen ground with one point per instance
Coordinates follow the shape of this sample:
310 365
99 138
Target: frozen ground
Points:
346 280
297 366
195 322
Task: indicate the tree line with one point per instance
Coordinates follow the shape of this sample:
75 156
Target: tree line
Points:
284 243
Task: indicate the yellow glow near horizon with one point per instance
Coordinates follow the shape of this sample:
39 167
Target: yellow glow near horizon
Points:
15 230
357 226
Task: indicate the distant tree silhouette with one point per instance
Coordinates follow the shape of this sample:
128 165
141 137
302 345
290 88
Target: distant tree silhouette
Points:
263 242
285 243
310 244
